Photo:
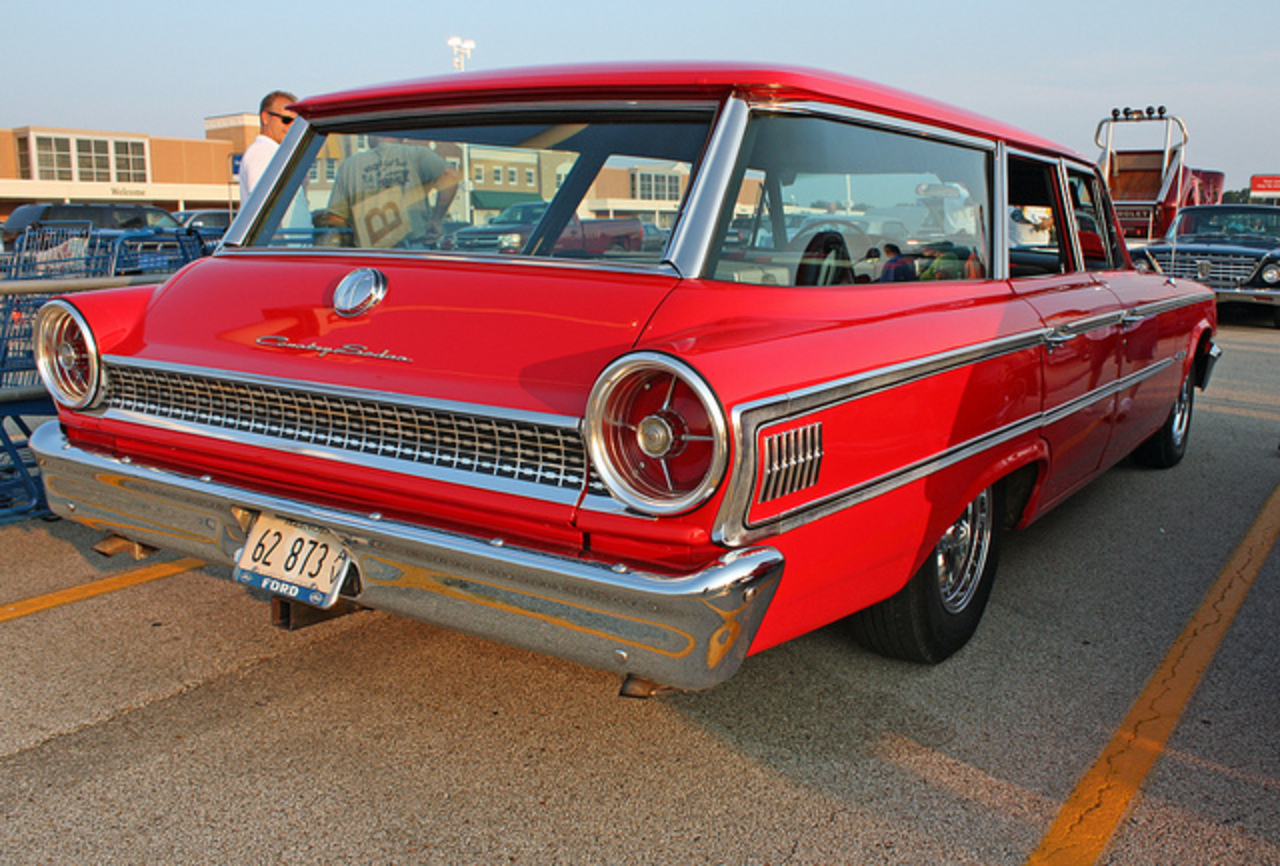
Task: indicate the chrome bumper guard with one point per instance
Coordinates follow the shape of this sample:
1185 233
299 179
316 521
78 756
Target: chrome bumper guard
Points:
689 631
1243 294
1207 363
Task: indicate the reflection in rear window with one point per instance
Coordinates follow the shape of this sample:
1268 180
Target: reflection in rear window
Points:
568 184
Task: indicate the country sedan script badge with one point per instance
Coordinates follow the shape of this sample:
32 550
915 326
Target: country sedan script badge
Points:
349 350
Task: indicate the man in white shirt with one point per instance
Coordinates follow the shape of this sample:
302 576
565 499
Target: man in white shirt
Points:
274 118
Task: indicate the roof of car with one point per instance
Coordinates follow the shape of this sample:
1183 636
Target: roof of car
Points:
662 81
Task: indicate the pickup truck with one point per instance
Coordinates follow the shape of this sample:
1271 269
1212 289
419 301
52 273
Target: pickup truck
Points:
510 229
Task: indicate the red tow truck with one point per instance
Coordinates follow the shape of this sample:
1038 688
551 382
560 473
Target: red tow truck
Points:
1150 184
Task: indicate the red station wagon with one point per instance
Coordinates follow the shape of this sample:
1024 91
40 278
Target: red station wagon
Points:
880 332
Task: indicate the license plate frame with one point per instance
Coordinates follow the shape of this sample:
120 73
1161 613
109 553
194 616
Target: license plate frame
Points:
294 560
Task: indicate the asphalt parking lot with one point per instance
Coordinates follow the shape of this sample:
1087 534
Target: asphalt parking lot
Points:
1120 705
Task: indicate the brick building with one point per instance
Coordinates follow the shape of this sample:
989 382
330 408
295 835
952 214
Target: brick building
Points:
39 164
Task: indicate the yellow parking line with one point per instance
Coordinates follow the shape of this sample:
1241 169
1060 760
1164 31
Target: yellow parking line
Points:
1090 816
98 587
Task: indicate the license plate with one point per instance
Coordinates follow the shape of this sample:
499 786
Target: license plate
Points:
293 560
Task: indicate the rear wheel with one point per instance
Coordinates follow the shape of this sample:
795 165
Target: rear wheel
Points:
1167 445
938 610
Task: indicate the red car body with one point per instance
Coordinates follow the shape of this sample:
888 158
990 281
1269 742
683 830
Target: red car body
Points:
653 463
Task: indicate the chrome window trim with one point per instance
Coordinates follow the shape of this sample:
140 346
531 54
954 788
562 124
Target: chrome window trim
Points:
264 194
1113 236
689 246
1062 166
1000 213
1073 229
664 268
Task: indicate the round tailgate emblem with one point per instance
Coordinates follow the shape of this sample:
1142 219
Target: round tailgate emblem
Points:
359 292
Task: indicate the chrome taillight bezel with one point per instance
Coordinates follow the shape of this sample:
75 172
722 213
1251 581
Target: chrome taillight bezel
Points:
57 324
601 426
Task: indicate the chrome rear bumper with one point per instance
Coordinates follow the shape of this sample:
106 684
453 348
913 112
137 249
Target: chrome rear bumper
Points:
689 631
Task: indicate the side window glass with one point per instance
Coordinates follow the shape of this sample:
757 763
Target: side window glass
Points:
823 202
129 218
1092 228
752 223
1034 220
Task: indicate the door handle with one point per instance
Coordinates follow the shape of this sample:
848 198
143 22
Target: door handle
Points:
1056 338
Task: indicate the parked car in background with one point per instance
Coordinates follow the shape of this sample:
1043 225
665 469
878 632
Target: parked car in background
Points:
510 230
653 463
210 224
1232 248
103 217
205 219
655 238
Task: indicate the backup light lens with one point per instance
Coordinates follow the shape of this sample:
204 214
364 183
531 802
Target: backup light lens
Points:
67 355
656 434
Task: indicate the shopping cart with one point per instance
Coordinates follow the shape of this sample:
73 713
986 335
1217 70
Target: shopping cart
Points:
21 396
147 251
56 250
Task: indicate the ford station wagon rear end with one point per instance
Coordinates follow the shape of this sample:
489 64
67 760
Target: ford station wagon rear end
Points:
878 333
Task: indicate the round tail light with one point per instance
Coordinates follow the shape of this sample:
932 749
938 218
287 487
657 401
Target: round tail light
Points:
656 434
66 355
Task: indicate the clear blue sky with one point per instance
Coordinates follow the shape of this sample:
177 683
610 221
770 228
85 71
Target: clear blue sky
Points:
1053 68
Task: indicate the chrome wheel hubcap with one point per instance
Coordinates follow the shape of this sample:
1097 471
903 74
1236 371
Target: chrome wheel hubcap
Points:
1182 412
961 555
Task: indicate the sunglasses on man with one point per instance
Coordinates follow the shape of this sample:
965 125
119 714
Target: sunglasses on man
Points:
285 118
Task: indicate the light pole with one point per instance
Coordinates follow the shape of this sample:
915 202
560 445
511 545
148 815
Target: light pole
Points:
461 51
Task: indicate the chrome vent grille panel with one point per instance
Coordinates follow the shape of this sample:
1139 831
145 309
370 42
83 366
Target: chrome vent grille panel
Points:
1224 271
486 446
792 461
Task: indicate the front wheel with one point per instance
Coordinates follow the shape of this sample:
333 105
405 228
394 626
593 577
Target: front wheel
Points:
938 610
1167 445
